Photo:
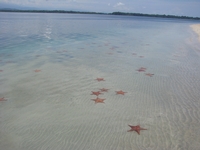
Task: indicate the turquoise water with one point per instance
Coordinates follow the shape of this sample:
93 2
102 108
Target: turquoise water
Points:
52 108
43 34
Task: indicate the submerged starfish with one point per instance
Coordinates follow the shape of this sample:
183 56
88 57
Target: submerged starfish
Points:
120 92
100 79
37 70
104 90
2 99
149 74
96 93
142 69
98 100
136 129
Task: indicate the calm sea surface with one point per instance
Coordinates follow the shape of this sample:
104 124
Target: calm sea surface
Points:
49 64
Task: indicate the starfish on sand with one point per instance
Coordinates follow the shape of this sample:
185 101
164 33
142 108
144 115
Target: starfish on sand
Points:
142 69
37 70
149 74
100 79
96 93
2 99
104 90
136 128
120 92
98 100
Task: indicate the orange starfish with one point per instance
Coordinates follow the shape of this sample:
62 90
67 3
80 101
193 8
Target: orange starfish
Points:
2 99
96 93
120 92
100 79
37 70
136 129
149 74
98 100
104 90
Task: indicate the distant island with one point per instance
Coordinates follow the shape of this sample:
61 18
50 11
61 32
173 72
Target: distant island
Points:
113 13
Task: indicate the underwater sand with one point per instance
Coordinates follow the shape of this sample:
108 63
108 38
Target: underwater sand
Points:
52 107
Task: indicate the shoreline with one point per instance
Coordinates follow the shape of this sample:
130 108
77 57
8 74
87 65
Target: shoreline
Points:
196 29
101 13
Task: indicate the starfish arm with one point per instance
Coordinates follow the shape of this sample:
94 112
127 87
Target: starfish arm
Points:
100 102
3 99
138 131
142 129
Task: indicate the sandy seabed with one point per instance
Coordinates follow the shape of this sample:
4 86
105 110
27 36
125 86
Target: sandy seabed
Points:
52 109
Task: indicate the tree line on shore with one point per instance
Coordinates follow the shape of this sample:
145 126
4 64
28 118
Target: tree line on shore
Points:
113 13
154 15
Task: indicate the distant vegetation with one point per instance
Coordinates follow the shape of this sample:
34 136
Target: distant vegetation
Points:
154 15
114 13
48 11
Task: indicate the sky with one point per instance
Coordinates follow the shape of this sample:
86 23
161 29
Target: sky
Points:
168 7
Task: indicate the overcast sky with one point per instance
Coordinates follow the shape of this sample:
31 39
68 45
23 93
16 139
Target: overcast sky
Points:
171 7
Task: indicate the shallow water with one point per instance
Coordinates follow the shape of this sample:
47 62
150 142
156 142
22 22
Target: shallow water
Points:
52 107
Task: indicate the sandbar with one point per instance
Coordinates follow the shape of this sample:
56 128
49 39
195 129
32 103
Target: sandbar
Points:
196 29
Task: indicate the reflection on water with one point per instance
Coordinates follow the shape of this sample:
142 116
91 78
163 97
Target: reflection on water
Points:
73 81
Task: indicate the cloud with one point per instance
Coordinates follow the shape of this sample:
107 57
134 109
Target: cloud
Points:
120 7
119 4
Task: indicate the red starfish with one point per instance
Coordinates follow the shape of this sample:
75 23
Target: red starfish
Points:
1 70
107 44
142 69
100 79
2 99
136 129
98 100
104 90
149 74
37 70
120 92
96 93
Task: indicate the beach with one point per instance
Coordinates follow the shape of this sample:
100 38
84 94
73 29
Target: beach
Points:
196 29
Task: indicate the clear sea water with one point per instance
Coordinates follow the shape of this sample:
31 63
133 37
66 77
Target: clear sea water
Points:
52 108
